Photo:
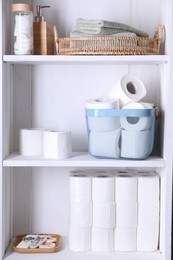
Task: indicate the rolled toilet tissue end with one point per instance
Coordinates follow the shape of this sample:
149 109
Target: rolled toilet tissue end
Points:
148 188
129 88
148 213
102 239
136 144
104 215
57 144
79 239
103 123
126 214
136 123
102 103
148 238
125 239
80 187
128 194
103 188
105 144
31 142
80 214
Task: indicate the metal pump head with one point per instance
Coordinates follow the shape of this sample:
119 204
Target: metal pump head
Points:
39 17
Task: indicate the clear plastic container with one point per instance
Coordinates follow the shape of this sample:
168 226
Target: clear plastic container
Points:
23 29
120 133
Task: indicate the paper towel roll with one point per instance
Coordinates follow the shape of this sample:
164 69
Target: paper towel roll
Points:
148 238
103 188
148 188
129 88
81 214
126 214
79 239
105 144
31 142
102 239
126 188
104 215
136 123
103 123
80 187
57 145
125 239
136 144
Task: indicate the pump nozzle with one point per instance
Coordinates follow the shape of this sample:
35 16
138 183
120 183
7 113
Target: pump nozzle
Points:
39 17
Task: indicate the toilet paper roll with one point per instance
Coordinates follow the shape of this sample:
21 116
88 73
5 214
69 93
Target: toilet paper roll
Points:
103 188
105 144
125 239
80 187
129 88
79 239
102 123
136 123
81 214
136 144
126 214
31 142
148 188
57 145
148 213
104 215
126 188
148 238
102 239
102 103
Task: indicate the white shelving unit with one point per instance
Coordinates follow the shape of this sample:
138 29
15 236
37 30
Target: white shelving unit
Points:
50 92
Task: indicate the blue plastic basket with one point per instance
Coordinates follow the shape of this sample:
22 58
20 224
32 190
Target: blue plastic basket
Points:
120 133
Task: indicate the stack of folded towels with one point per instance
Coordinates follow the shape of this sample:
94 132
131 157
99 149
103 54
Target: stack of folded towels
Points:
96 28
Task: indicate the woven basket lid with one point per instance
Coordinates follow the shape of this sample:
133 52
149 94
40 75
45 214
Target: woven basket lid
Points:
22 7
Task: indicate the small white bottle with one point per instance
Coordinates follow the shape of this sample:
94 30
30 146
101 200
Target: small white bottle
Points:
23 28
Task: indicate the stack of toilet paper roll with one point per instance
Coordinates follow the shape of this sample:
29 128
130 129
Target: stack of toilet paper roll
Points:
80 215
121 136
46 143
114 212
126 197
148 213
103 213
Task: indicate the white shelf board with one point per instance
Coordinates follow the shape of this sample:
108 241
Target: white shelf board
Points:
112 59
65 254
79 159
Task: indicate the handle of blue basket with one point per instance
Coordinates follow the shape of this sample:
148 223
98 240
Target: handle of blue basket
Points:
157 113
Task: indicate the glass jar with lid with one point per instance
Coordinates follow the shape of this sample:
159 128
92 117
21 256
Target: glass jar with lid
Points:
23 28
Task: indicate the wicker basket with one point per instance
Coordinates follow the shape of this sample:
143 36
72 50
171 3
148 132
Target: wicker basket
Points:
111 45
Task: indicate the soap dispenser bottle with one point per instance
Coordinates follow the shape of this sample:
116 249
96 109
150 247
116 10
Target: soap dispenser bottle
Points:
43 34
